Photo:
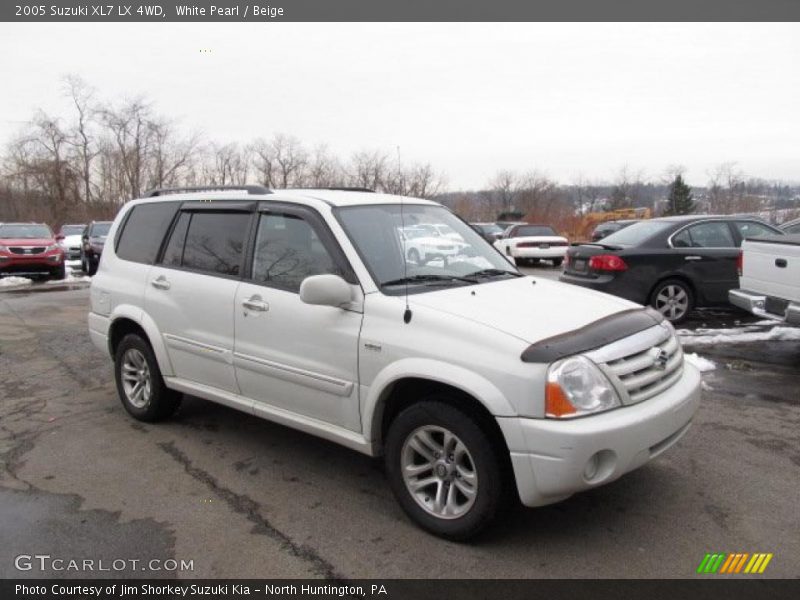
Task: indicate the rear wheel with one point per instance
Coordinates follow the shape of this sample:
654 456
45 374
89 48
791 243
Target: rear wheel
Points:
673 298
139 382
59 272
443 469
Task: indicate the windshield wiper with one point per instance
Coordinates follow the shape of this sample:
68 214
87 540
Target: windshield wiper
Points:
428 279
493 273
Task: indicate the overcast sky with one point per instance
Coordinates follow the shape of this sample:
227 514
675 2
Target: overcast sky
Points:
566 99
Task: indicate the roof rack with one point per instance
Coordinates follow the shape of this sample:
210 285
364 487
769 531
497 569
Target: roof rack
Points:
250 189
347 189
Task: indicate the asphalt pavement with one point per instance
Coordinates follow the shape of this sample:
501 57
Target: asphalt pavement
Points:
241 497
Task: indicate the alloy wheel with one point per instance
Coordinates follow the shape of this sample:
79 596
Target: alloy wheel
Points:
672 301
136 380
439 472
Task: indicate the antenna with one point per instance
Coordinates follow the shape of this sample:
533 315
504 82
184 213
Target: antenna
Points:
407 313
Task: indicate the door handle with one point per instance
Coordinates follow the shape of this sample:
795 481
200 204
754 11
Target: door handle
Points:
161 283
256 304
781 263
694 258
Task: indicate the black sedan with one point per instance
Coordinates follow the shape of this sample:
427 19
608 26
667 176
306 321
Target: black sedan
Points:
673 264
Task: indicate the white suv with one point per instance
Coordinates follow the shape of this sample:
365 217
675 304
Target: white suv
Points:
472 380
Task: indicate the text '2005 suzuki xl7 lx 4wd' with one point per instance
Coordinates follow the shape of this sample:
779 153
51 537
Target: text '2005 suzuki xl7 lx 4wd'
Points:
322 310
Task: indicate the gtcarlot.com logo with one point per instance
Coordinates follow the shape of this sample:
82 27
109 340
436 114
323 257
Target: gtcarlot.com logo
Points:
736 562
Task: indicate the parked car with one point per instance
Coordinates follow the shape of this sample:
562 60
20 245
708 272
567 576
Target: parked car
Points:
491 232
470 379
93 240
30 249
608 227
69 238
531 243
673 264
770 278
791 226
421 245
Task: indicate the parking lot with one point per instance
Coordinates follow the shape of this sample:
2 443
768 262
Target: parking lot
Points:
241 497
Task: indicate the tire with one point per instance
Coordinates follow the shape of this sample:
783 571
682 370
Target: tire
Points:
59 273
134 360
449 513
673 298
557 262
84 266
413 256
92 266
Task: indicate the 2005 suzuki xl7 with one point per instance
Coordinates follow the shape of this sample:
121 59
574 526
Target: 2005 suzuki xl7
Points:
324 310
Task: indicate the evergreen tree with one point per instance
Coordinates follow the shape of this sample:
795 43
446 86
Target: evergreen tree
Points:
680 200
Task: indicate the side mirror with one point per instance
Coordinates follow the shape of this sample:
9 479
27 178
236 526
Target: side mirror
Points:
325 290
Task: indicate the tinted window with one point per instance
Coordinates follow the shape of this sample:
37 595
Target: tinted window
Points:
751 229
637 233
144 231
215 241
536 230
25 231
682 240
173 253
714 234
287 251
99 229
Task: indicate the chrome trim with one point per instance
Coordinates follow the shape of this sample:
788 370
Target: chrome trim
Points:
317 381
198 348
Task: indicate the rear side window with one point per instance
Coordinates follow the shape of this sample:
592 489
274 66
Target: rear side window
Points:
173 254
714 234
144 231
751 229
215 242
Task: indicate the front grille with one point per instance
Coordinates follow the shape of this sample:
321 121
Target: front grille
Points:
643 376
26 249
642 365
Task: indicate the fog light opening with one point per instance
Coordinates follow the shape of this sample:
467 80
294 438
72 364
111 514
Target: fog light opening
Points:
600 466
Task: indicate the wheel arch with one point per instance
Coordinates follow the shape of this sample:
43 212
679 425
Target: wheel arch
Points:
680 277
128 319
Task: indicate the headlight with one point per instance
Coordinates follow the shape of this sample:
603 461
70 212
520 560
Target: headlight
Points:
4 249
576 387
52 247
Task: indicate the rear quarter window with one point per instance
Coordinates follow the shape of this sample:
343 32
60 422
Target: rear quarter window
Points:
144 231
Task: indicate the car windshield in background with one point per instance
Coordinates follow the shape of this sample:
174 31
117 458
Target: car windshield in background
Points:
25 231
491 228
401 249
635 234
73 229
99 229
534 231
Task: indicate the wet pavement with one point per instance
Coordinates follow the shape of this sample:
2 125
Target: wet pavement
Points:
242 497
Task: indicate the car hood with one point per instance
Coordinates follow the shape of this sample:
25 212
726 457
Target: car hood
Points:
529 308
72 240
27 241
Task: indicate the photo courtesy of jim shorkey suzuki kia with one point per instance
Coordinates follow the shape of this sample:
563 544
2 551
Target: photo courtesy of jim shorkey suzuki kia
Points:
326 310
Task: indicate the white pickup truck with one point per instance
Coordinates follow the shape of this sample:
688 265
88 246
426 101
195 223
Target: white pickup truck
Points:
769 284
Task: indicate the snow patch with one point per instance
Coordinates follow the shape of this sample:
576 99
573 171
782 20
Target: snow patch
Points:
736 335
7 282
70 278
703 364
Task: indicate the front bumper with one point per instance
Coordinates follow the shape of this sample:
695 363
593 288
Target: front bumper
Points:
756 303
37 263
550 457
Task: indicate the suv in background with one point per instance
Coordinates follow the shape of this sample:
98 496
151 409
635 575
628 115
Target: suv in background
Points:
300 306
69 238
608 227
93 240
30 249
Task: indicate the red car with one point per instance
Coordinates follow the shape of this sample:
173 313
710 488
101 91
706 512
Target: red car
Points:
30 248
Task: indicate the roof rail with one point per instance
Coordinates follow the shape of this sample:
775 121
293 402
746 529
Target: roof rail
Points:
250 189
347 189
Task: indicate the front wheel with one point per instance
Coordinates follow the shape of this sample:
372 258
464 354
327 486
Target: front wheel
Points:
59 273
443 469
673 298
139 382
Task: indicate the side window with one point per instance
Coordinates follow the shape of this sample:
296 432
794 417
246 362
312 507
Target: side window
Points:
287 251
714 234
173 253
144 231
751 229
215 242
682 240
792 229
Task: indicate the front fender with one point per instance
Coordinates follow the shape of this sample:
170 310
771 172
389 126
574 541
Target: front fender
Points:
469 382
146 322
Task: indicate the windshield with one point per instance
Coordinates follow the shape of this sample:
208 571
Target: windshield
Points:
491 228
637 233
402 250
72 229
99 229
534 230
25 231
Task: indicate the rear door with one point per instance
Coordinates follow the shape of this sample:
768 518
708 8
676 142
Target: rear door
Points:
290 355
190 292
708 251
